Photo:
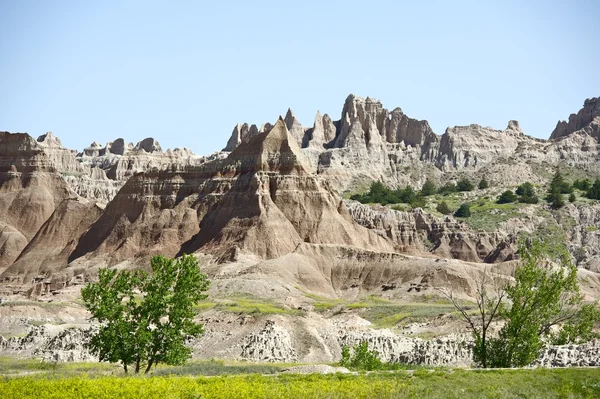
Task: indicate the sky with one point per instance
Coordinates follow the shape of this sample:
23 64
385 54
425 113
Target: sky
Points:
185 72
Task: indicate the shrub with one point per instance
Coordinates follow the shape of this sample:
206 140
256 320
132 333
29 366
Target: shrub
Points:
361 358
507 197
428 188
443 208
483 184
572 197
464 211
464 185
594 190
582 185
448 188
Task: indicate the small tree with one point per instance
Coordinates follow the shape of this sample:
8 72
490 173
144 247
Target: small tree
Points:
361 357
463 211
593 191
489 294
506 197
464 184
146 319
443 208
428 188
542 299
572 197
483 184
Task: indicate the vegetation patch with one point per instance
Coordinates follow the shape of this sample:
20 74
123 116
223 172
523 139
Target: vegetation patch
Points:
464 384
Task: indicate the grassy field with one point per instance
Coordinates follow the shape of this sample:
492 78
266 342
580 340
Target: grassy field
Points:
384 313
464 384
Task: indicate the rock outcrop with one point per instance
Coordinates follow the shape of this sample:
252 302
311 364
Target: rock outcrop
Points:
198 208
587 119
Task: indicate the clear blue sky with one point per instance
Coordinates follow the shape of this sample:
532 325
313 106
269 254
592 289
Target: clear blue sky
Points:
185 73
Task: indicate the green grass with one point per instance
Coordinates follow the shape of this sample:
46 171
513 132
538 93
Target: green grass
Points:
486 214
385 313
45 305
245 304
463 384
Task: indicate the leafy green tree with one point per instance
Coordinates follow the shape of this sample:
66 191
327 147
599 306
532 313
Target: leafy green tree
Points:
506 197
361 357
543 305
483 184
464 184
542 297
463 211
145 319
443 208
428 188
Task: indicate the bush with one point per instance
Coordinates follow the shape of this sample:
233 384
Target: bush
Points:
448 188
507 197
361 358
525 190
483 184
428 188
464 211
556 199
572 197
583 185
464 185
594 191
443 208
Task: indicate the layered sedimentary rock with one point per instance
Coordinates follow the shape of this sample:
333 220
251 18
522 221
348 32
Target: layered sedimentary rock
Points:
371 143
587 119
261 199
420 232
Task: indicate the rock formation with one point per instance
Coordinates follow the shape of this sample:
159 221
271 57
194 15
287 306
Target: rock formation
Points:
587 119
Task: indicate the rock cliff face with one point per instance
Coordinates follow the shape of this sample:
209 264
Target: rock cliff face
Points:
198 208
371 143
587 119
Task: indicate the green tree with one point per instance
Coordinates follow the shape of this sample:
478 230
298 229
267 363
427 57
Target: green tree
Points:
489 294
483 184
556 199
543 305
361 357
559 184
145 318
572 197
463 211
594 191
428 188
464 184
506 197
542 297
525 189
443 208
